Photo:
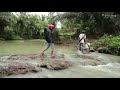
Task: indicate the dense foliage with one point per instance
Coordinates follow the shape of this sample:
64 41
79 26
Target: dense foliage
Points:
26 26
95 24
108 44
21 26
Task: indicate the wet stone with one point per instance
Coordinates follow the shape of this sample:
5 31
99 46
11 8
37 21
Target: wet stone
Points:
17 68
56 64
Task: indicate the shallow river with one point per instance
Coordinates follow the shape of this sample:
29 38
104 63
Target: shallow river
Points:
110 70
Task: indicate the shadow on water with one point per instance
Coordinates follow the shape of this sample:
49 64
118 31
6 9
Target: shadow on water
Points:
110 70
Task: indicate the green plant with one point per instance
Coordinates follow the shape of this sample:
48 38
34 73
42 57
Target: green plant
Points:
110 44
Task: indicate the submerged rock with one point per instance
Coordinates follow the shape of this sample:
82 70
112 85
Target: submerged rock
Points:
90 60
18 57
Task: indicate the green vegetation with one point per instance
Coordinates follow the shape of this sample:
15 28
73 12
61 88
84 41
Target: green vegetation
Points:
26 26
22 26
108 44
67 33
95 24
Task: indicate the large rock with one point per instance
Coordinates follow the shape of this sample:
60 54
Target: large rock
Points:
22 68
101 49
17 68
55 64
92 49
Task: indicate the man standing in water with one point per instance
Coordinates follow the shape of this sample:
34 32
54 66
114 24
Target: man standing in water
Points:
49 36
82 40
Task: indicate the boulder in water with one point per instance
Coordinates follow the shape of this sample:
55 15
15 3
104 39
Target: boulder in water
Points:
56 64
17 68
22 68
101 49
91 49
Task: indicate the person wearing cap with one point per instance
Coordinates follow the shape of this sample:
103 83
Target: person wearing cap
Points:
49 36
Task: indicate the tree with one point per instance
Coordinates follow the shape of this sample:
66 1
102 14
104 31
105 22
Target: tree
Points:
7 20
95 23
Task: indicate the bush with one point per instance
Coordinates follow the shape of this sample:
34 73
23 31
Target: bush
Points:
114 45
9 34
17 38
109 44
103 41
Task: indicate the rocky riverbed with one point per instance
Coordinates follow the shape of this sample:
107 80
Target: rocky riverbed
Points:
21 64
